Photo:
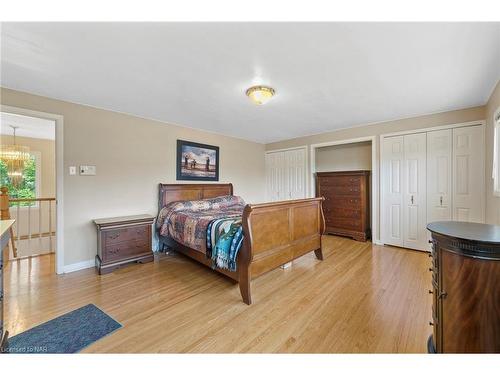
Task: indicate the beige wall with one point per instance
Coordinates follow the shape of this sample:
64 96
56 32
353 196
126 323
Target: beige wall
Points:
427 121
492 202
348 157
132 156
46 148
445 118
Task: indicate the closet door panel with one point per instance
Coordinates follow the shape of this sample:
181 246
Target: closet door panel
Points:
286 175
275 175
296 169
282 176
439 181
392 189
468 174
414 193
271 177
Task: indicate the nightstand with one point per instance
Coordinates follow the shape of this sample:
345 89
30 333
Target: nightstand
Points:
123 240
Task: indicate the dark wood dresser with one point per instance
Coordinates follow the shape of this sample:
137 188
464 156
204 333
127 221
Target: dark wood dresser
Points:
466 288
122 240
347 202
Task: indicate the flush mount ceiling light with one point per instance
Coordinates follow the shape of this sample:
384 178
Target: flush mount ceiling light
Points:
260 94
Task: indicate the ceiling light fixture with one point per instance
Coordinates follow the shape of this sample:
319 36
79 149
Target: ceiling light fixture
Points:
260 94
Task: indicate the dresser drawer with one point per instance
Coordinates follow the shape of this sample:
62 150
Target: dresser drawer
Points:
345 223
340 181
344 202
124 250
340 191
114 236
347 213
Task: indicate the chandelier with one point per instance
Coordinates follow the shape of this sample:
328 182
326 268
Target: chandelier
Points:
15 157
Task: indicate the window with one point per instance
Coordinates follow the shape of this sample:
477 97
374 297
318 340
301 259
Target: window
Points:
30 184
496 154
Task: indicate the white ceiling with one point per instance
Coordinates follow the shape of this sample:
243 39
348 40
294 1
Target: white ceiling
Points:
326 75
31 127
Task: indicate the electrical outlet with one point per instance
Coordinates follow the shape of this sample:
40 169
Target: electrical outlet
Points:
87 170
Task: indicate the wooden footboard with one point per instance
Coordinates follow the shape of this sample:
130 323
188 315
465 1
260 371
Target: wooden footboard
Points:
277 233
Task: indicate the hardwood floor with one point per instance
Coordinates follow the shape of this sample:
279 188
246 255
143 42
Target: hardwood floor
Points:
361 298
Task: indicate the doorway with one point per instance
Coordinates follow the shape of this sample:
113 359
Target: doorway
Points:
32 185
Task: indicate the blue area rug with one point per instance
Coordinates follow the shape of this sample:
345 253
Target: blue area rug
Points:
68 333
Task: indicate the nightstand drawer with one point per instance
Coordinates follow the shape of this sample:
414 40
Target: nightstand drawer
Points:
125 250
118 235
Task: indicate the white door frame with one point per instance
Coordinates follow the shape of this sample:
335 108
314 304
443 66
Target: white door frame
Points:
374 176
59 121
305 161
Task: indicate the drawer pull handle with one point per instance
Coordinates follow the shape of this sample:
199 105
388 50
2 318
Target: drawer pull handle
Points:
431 269
431 292
431 324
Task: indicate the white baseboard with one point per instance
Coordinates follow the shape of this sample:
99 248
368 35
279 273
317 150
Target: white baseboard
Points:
79 266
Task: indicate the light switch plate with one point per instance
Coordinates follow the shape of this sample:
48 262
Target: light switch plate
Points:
87 170
72 170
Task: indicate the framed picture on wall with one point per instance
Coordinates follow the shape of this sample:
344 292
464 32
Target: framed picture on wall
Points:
196 161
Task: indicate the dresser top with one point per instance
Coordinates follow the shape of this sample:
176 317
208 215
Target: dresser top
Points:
467 231
5 226
344 173
124 219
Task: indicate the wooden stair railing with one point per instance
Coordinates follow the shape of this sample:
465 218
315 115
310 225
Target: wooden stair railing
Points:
5 215
29 204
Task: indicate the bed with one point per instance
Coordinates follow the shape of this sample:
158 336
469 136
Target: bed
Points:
274 233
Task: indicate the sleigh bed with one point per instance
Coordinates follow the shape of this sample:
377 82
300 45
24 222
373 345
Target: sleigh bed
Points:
273 233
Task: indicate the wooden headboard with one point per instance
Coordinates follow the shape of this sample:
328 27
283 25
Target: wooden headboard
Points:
188 192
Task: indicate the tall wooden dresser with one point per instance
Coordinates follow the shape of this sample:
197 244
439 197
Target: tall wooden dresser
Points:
347 202
465 288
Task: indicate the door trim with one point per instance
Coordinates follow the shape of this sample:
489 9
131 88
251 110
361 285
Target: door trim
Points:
374 177
433 128
59 121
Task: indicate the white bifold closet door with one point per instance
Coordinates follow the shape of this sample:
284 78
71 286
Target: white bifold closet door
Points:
431 176
286 174
392 190
439 181
468 174
404 190
275 172
414 197
296 173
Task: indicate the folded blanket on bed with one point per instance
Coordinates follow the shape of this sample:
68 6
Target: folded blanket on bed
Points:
224 240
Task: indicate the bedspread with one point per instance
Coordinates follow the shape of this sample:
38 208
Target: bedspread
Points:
187 221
